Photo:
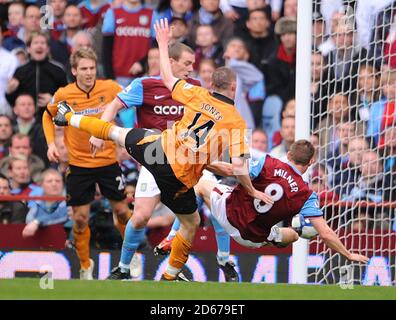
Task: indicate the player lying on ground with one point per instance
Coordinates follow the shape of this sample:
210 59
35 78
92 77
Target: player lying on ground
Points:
252 223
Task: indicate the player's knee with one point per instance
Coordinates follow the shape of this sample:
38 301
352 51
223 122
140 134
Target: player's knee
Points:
140 218
81 220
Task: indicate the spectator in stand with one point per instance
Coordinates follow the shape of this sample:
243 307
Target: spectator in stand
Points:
345 178
290 8
20 146
281 77
207 46
10 211
16 12
365 14
72 22
5 135
367 92
259 140
40 77
152 66
288 111
210 14
389 150
259 38
319 183
382 112
45 213
382 44
337 109
345 59
236 56
20 178
237 10
58 7
174 8
31 24
21 55
127 33
318 30
93 12
26 123
205 71
7 69
287 133
372 186
318 88
345 130
179 30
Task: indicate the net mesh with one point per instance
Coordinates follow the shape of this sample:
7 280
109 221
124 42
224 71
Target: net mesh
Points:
353 125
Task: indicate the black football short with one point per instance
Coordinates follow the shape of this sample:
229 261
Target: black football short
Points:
81 183
174 194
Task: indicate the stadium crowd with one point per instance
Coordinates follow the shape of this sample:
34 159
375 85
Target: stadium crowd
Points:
353 88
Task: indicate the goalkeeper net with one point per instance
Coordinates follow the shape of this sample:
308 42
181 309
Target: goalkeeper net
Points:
353 121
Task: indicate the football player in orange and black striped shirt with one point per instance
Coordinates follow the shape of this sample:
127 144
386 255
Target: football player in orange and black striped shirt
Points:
89 97
176 158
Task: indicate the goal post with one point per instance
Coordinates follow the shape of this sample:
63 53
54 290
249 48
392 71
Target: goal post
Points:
303 114
348 102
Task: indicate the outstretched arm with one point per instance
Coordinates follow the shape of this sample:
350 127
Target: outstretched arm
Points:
331 239
163 35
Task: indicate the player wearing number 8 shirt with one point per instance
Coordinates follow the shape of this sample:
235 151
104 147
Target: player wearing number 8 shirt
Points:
176 158
253 224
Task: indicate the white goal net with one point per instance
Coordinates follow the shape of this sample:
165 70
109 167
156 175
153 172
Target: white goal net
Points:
353 123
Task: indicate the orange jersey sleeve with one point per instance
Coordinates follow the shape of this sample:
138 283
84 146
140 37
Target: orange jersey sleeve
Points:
48 125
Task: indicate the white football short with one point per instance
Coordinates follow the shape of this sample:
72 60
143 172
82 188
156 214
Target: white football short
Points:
218 199
146 185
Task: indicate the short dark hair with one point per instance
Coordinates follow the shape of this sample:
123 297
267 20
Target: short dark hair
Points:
176 49
222 78
265 12
301 152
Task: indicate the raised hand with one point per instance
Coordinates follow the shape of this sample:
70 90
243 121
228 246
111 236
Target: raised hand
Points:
162 32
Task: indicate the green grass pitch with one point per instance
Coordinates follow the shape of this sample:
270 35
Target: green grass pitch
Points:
75 289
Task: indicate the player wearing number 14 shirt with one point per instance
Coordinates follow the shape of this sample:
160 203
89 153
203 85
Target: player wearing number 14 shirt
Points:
252 223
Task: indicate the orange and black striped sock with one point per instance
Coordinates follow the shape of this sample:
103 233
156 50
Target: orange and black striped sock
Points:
94 126
81 242
178 256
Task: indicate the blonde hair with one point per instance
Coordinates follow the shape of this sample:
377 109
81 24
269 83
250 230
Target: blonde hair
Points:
82 53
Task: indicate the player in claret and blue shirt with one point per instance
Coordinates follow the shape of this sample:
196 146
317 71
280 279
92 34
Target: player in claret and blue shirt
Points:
252 223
